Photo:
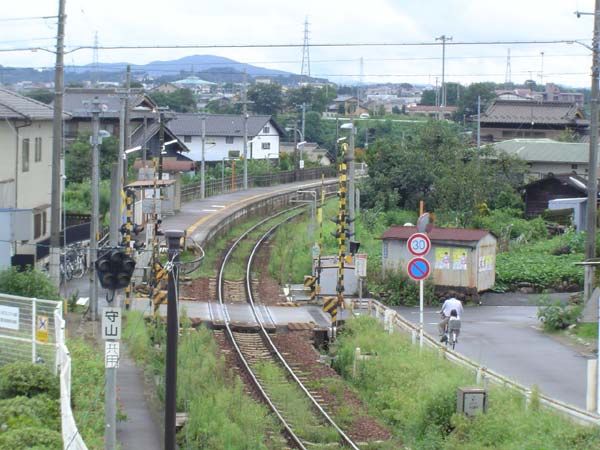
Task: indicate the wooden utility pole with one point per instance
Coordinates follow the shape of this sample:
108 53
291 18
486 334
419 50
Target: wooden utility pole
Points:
57 133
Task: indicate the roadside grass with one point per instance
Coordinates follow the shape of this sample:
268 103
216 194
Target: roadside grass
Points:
220 413
295 407
586 330
415 394
87 391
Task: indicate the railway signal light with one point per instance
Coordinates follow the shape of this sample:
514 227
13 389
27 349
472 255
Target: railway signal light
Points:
115 269
354 246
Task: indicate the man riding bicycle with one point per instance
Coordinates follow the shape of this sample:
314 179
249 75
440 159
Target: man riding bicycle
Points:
451 304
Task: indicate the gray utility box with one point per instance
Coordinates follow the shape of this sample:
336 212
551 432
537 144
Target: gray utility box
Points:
329 273
471 401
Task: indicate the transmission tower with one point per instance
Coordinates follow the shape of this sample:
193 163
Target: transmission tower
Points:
95 59
508 75
305 70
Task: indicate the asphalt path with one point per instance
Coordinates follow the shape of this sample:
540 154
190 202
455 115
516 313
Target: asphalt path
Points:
508 340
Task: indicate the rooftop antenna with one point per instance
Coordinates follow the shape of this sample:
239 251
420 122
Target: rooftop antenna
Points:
305 70
508 76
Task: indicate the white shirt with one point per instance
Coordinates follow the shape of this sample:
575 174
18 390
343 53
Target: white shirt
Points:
450 304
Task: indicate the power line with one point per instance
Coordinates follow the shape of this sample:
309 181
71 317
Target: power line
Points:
14 19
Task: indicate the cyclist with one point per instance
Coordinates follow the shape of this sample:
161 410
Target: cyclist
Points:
451 303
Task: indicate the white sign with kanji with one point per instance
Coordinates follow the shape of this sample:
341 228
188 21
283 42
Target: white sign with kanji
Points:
360 265
111 355
111 323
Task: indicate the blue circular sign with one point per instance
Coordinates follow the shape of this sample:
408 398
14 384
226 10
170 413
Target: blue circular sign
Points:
418 268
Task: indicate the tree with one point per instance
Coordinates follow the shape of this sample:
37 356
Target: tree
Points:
468 99
181 100
41 95
266 98
78 159
428 97
396 110
316 99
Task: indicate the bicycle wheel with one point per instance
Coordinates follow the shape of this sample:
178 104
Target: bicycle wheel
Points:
454 338
78 269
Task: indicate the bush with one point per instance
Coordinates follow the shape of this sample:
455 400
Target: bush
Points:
28 283
557 316
509 222
28 380
30 438
398 289
39 411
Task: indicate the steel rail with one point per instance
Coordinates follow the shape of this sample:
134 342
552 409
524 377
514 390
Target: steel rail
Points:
345 438
292 436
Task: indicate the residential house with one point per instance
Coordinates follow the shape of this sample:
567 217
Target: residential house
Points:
195 84
26 169
346 105
539 193
311 151
509 119
224 136
545 157
167 88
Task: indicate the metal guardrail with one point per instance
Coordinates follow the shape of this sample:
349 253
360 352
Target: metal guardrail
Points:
391 318
226 185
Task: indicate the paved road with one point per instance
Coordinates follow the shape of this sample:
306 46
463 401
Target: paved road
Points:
507 340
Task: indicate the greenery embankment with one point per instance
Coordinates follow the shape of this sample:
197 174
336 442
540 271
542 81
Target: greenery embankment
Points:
415 394
220 413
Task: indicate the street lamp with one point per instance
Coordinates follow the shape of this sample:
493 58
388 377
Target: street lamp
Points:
299 145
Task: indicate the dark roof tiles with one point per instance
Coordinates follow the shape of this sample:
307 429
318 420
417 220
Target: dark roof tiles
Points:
16 106
522 111
190 124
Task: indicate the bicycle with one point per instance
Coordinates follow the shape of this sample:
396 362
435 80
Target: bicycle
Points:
451 333
76 261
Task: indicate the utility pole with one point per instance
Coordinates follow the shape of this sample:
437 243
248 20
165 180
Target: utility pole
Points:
128 88
202 163
94 225
118 179
173 239
351 190
444 39
592 188
57 133
478 123
245 111
161 143
303 120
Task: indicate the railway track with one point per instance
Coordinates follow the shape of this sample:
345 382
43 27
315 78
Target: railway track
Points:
254 349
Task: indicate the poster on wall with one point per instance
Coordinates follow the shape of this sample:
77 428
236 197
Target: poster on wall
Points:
459 259
442 258
486 263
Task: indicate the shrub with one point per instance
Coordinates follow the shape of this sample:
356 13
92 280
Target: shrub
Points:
509 222
557 316
39 411
398 289
30 438
28 380
28 283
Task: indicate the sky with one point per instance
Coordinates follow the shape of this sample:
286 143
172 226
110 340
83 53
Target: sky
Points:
234 22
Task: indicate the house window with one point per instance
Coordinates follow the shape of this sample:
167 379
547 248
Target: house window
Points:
233 153
229 139
25 155
266 146
574 166
267 130
187 139
39 224
38 149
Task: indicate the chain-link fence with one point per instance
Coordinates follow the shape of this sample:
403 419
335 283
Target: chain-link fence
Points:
28 330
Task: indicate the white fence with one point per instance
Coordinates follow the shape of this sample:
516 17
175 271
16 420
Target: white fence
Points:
34 330
393 321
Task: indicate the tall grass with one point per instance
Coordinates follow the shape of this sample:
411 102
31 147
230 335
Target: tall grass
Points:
415 394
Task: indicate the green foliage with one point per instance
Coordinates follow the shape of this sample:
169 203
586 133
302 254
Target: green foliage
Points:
586 330
267 98
30 438
467 106
316 99
78 158
26 379
509 223
78 198
397 289
415 394
41 95
40 411
87 391
28 283
537 265
181 100
557 316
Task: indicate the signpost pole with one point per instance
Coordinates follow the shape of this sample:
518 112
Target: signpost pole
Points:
420 314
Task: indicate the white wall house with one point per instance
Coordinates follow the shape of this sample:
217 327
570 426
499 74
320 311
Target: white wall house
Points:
225 136
26 162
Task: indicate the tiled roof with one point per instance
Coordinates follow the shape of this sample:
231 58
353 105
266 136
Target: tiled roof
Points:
16 106
437 234
545 150
77 101
532 112
575 181
190 124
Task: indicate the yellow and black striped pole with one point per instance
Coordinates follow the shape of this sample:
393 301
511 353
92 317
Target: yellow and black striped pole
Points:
320 243
126 242
341 230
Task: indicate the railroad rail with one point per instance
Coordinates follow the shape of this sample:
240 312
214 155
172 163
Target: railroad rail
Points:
267 344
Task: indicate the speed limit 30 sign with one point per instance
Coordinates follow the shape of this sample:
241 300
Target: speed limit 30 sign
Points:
418 244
